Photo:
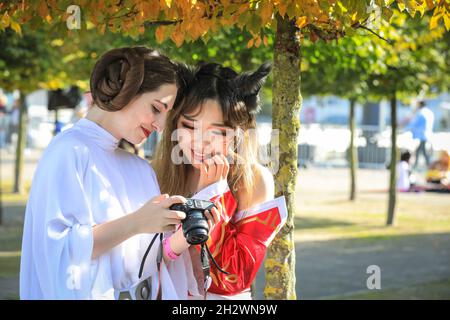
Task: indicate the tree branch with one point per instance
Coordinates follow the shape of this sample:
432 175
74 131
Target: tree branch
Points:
326 35
374 33
161 22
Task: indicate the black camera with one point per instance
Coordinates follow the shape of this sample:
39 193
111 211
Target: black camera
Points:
195 225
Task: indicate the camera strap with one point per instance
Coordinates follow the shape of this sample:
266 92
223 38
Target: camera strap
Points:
159 257
205 255
141 268
213 260
206 268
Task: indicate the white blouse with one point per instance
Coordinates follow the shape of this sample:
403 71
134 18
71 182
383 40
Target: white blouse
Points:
82 180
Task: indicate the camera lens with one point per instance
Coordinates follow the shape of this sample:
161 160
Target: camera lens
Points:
195 227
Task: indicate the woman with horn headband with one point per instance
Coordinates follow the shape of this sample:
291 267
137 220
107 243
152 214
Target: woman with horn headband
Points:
93 208
212 141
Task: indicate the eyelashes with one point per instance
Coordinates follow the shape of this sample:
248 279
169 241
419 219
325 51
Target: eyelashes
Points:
190 127
155 110
187 126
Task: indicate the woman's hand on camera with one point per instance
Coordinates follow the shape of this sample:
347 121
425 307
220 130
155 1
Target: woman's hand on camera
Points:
155 216
213 170
213 217
177 240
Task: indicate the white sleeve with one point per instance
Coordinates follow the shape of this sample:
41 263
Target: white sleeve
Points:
213 190
58 239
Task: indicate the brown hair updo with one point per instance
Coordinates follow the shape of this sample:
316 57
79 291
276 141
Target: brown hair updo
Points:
122 74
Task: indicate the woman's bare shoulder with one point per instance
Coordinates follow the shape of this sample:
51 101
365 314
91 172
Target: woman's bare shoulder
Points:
262 188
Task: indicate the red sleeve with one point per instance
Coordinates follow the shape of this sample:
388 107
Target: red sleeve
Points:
239 245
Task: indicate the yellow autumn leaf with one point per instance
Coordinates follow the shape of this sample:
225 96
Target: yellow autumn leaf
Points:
200 28
266 11
250 43
184 6
422 8
160 34
16 27
163 6
177 37
258 42
57 42
5 20
447 21
282 7
301 22
435 20
243 7
430 4
191 30
150 9
225 3
42 9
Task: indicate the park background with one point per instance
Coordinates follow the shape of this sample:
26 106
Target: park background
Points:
362 75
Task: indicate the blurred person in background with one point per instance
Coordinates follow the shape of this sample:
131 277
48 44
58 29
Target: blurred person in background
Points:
421 127
404 177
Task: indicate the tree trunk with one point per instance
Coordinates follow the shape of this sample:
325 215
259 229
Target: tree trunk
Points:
21 142
393 166
286 102
353 155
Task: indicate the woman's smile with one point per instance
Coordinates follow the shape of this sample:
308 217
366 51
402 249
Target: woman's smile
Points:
199 156
146 131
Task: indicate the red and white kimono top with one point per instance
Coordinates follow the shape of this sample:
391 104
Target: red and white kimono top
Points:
239 241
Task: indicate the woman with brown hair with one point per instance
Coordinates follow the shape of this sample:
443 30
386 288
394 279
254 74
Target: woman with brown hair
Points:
211 140
93 208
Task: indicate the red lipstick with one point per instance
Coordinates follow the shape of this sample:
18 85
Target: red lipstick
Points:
146 132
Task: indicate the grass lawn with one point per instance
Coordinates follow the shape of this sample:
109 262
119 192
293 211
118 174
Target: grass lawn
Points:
7 196
328 218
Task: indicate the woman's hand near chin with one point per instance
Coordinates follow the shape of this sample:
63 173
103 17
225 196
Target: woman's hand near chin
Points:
213 170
